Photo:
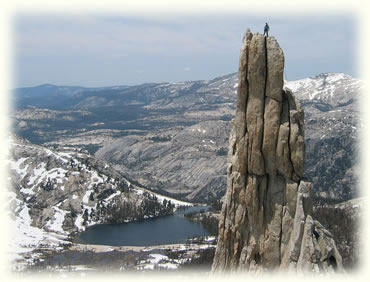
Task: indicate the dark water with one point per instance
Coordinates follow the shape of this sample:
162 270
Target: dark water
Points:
164 230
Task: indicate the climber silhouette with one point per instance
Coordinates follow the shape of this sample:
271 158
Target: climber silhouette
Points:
266 30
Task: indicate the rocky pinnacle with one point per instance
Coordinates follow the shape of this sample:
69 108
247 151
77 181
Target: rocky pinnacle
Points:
266 222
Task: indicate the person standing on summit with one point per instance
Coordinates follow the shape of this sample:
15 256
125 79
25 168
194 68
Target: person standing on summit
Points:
266 30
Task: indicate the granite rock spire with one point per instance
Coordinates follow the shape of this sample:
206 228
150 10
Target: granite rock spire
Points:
266 221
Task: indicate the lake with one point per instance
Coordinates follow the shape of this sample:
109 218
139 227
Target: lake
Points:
154 231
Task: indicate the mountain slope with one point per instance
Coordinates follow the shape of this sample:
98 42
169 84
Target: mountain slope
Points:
177 161
120 121
55 193
332 121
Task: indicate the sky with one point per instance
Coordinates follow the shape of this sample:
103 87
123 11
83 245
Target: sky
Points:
106 49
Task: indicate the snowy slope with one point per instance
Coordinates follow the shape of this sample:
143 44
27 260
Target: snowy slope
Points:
54 193
335 89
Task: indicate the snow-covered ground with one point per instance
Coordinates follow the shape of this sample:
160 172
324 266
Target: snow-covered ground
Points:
161 198
160 261
177 203
24 238
156 261
32 166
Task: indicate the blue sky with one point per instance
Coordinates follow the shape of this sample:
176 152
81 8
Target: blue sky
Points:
117 49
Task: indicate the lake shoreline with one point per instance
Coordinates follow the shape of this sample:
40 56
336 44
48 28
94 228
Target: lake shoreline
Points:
78 257
107 248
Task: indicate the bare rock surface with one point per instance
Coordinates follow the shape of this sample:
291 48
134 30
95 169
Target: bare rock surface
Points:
266 222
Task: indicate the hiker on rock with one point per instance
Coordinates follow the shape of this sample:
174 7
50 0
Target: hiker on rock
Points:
266 30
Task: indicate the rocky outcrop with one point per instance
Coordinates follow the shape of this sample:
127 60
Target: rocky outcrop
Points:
266 220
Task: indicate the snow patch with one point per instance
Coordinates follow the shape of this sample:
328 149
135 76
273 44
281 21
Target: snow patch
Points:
57 223
68 155
138 191
78 222
85 198
177 203
57 156
37 173
28 191
17 167
113 196
156 258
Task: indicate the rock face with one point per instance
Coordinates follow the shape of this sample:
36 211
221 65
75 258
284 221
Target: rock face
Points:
266 220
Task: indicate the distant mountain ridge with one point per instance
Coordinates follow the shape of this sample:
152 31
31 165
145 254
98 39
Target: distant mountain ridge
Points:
50 89
150 118
326 90
53 96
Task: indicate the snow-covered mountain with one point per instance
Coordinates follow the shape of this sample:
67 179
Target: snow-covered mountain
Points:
333 122
54 193
334 89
